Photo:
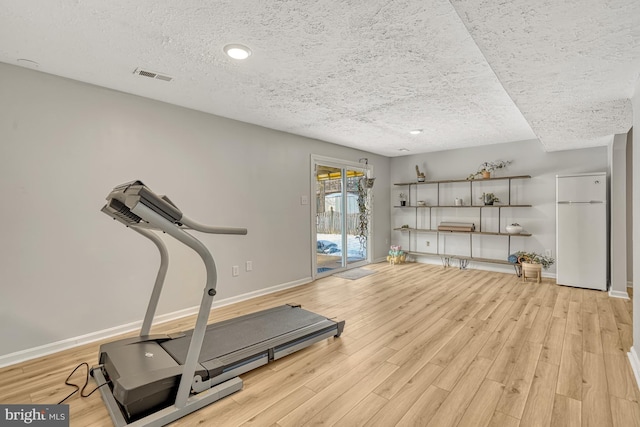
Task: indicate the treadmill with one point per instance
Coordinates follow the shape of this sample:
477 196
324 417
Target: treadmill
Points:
156 379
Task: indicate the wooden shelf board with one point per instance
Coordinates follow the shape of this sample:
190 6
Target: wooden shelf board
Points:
477 259
486 233
466 206
426 230
500 206
447 181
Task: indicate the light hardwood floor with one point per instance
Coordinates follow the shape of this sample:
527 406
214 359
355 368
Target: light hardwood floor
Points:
422 346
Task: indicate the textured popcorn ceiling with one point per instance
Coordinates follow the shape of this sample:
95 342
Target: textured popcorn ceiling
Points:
357 73
570 66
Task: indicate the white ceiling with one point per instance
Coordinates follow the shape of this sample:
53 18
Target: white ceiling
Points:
357 73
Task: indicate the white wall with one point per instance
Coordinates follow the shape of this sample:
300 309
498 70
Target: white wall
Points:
67 270
634 354
629 188
618 216
528 159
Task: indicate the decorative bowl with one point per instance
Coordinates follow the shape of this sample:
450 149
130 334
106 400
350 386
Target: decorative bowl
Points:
514 229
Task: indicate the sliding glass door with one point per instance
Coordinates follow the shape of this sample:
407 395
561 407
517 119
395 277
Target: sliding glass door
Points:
341 217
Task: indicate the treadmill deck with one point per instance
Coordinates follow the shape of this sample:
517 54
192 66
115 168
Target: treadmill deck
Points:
145 371
234 335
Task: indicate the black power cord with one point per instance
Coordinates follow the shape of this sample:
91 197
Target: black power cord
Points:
86 383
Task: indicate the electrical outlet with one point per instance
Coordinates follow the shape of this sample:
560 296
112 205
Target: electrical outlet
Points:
249 265
235 271
428 243
547 252
304 200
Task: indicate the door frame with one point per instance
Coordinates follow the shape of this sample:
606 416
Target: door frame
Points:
342 164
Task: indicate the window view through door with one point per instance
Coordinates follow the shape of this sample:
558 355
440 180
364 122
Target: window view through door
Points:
339 234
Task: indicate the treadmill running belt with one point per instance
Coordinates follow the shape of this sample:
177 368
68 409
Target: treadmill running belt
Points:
229 336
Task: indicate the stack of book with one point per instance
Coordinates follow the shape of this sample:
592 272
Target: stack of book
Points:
456 226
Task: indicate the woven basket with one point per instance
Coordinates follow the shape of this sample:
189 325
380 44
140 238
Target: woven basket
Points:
531 271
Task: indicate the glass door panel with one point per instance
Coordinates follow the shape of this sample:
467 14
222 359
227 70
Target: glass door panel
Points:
329 219
341 229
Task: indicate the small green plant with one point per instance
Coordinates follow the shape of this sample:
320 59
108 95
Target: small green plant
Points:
535 258
489 167
489 198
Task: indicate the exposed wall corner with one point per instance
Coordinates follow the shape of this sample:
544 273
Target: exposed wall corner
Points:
635 364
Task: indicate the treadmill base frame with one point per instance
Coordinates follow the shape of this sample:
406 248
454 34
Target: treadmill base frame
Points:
171 413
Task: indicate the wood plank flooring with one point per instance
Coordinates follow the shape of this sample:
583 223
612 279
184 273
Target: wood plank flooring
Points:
422 346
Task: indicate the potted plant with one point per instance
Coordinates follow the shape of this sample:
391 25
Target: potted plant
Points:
532 264
367 183
489 198
535 258
486 168
403 199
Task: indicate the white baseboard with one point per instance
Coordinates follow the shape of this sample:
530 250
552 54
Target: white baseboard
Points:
618 294
44 350
635 364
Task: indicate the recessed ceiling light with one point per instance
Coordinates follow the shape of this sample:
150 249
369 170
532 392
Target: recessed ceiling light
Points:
403 149
237 51
415 131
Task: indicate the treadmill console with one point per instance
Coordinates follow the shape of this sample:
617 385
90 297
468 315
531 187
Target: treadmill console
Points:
126 196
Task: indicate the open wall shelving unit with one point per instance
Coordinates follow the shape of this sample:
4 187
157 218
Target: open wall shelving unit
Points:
463 260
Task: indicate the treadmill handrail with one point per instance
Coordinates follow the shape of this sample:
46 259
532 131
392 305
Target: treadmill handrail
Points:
189 368
210 229
160 276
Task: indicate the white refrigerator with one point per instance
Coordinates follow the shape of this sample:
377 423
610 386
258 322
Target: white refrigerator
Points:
581 230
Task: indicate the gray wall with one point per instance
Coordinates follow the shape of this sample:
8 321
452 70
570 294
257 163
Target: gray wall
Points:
540 191
68 270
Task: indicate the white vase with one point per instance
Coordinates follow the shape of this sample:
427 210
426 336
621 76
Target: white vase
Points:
514 229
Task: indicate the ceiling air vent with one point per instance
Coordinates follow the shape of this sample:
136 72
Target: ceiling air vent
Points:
152 74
